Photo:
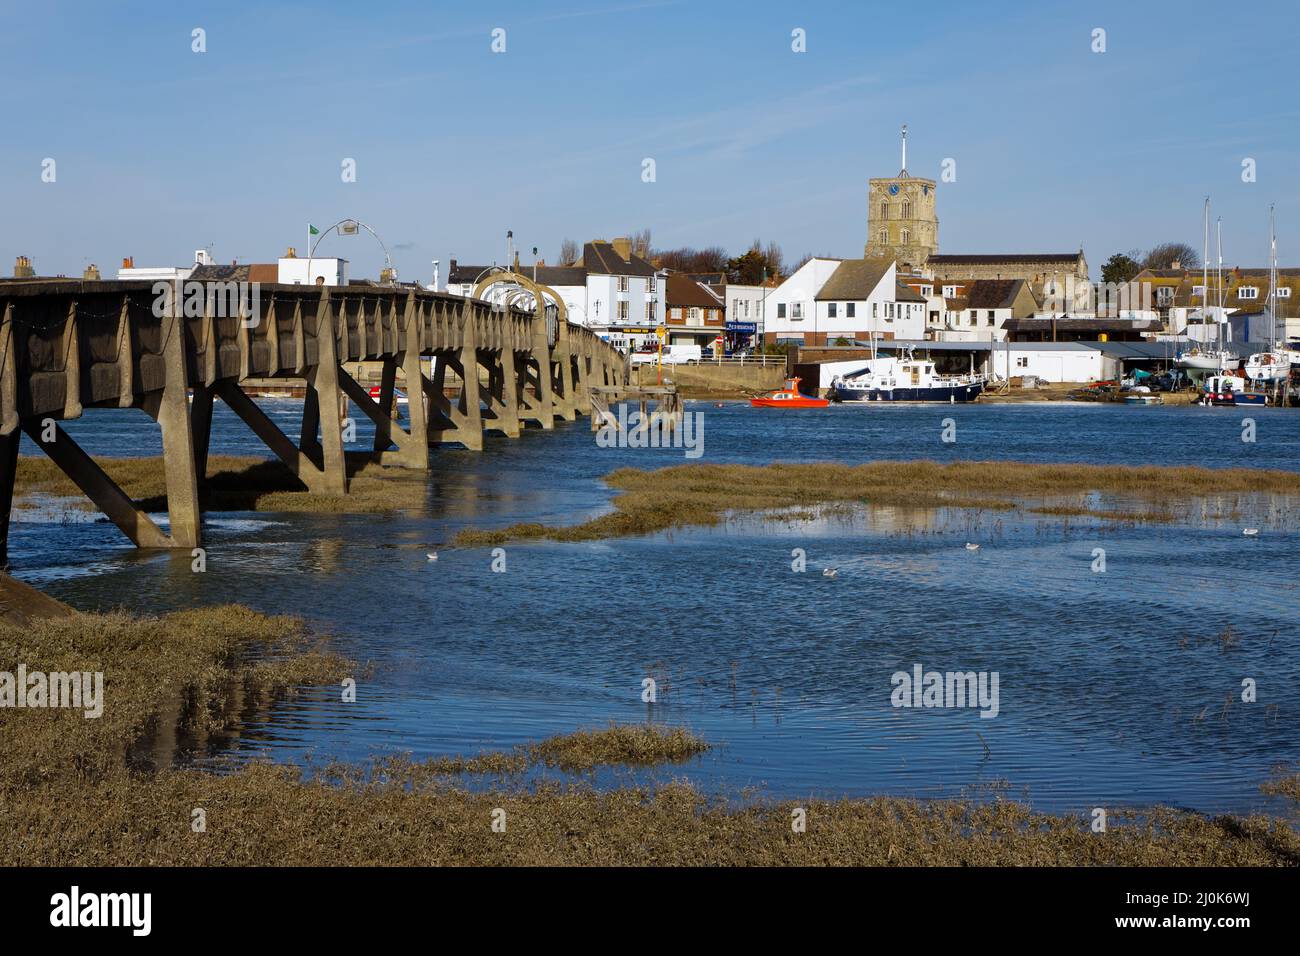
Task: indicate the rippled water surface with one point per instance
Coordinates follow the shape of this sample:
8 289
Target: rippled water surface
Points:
1115 688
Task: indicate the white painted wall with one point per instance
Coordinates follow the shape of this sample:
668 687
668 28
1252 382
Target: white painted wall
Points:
294 271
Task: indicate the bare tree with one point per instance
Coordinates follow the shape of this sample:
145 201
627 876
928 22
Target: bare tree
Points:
641 243
1166 254
569 252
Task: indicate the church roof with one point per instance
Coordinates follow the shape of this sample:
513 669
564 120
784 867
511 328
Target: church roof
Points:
994 259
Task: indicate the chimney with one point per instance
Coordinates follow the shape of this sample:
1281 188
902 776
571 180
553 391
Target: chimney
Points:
1176 264
23 268
623 246
291 253
515 267
128 262
91 273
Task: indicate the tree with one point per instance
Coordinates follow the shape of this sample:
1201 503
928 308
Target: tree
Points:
1166 254
1120 268
641 243
686 259
569 252
756 264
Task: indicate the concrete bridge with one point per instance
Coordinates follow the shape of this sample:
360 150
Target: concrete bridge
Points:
68 347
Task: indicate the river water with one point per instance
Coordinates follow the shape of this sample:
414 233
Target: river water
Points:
1114 687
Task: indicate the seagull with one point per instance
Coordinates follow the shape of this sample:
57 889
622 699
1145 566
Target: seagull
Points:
432 555
972 547
830 572
1251 532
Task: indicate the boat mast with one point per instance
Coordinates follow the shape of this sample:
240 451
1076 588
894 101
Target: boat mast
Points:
1205 265
1218 280
1272 280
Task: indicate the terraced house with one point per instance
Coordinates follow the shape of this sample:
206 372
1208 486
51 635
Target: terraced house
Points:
1179 296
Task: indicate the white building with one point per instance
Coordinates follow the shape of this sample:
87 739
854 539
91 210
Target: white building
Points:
610 290
854 299
332 271
130 270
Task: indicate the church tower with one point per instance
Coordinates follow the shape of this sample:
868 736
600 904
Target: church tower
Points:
901 220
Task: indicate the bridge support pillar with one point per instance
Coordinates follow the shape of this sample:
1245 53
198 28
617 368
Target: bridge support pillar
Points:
323 382
503 402
8 469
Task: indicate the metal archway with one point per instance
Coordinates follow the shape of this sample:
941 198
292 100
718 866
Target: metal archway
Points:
311 253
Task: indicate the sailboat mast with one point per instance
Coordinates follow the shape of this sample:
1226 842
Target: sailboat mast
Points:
1218 281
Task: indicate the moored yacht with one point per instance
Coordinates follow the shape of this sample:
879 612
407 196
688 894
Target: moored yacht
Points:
906 379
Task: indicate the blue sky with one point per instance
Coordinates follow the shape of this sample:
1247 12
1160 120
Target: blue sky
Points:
160 150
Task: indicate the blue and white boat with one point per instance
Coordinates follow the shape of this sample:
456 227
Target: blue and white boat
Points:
905 379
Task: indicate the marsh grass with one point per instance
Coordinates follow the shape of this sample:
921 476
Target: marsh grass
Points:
68 797
234 483
682 495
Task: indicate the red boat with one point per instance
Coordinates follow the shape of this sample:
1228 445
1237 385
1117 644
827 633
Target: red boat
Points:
789 397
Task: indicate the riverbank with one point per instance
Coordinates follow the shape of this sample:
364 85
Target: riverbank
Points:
72 797
684 495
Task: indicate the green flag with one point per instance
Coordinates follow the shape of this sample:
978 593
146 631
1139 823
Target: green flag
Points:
312 230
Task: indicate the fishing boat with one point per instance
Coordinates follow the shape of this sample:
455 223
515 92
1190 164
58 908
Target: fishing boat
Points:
788 397
906 379
1230 390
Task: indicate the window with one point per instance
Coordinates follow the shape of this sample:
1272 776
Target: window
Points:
907 209
1198 291
990 316
1022 361
884 236
907 236
622 283
1283 292
950 292
1247 292
649 311
927 290
797 312
650 285
875 310
780 310
692 316
622 311
677 312
884 211
1165 294
851 309
830 310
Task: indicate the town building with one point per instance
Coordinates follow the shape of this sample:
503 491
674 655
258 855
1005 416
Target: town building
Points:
1052 276
1179 298
827 301
610 290
695 314
968 310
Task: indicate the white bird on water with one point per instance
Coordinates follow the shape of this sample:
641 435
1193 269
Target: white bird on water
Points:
972 547
432 555
830 572
1251 532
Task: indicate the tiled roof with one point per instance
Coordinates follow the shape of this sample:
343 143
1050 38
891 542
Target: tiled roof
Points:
601 259
993 259
993 293
685 291
854 280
